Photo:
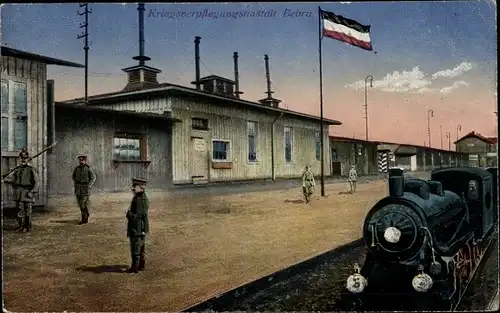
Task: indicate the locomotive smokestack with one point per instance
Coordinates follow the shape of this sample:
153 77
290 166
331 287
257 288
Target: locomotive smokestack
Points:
268 77
237 91
197 61
396 182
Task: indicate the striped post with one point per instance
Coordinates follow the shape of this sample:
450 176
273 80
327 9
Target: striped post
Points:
382 162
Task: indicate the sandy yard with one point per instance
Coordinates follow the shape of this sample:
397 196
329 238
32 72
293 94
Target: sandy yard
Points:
199 246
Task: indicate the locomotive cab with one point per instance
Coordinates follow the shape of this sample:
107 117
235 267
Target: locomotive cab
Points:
476 187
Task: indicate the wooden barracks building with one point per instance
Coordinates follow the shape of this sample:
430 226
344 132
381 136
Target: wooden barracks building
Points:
212 135
27 113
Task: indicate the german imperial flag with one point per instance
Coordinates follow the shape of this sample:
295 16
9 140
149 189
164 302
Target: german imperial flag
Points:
346 30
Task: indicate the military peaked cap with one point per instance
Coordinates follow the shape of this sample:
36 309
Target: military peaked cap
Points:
139 181
82 157
24 154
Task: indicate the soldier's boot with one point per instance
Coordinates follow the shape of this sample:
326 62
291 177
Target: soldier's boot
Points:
134 268
87 215
83 219
20 225
27 224
142 263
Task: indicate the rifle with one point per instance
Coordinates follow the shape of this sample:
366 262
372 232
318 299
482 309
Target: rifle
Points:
30 158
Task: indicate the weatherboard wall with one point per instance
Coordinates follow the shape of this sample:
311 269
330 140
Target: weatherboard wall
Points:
229 123
92 133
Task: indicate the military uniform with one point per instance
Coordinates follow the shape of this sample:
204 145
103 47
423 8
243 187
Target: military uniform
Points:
83 179
24 180
308 184
353 176
138 225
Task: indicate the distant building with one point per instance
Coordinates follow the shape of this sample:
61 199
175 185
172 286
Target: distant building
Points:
417 158
27 113
346 152
482 150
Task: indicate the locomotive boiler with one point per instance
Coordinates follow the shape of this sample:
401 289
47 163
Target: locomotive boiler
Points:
425 240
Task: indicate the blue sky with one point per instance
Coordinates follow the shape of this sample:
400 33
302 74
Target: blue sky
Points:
429 35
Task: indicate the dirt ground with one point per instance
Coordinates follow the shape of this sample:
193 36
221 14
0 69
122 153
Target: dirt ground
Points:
199 246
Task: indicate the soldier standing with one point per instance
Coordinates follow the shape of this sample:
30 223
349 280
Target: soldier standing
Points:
353 176
83 179
308 184
24 180
138 225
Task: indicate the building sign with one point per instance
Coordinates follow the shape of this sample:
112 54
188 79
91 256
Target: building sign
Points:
200 144
473 157
491 154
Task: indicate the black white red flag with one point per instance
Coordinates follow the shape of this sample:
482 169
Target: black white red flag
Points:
346 30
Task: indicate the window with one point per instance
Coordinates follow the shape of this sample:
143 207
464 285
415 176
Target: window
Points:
318 145
220 150
128 147
14 116
288 144
199 123
334 155
219 86
252 141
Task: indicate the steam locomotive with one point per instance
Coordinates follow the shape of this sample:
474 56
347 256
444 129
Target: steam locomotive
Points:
425 240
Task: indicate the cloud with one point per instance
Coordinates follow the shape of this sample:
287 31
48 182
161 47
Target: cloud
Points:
416 81
457 71
454 86
404 81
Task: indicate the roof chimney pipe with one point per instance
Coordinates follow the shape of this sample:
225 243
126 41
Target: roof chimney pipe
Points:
237 91
141 57
268 77
197 61
269 101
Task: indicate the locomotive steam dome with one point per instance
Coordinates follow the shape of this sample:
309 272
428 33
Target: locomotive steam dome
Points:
395 227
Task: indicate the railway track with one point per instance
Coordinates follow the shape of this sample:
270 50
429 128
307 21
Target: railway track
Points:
317 284
494 304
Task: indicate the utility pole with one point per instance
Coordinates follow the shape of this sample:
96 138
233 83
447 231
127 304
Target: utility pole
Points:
86 43
370 78
441 134
448 135
430 114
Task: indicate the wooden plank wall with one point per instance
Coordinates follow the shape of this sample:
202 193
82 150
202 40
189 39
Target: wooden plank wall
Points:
230 123
92 133
34 74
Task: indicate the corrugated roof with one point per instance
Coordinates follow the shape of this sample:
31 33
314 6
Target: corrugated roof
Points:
11 52
171 88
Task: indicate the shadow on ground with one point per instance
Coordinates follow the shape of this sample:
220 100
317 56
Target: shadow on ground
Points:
294 201
75 222
103 269
345 193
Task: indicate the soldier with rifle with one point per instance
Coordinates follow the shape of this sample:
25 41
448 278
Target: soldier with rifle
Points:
24 181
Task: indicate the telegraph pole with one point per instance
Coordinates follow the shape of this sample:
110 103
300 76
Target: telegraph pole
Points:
367 78
86 43
430 114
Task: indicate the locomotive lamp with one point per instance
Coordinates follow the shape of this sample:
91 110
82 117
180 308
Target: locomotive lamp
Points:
356 283
422 282
392 234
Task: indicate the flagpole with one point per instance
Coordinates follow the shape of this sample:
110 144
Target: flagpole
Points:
320 28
